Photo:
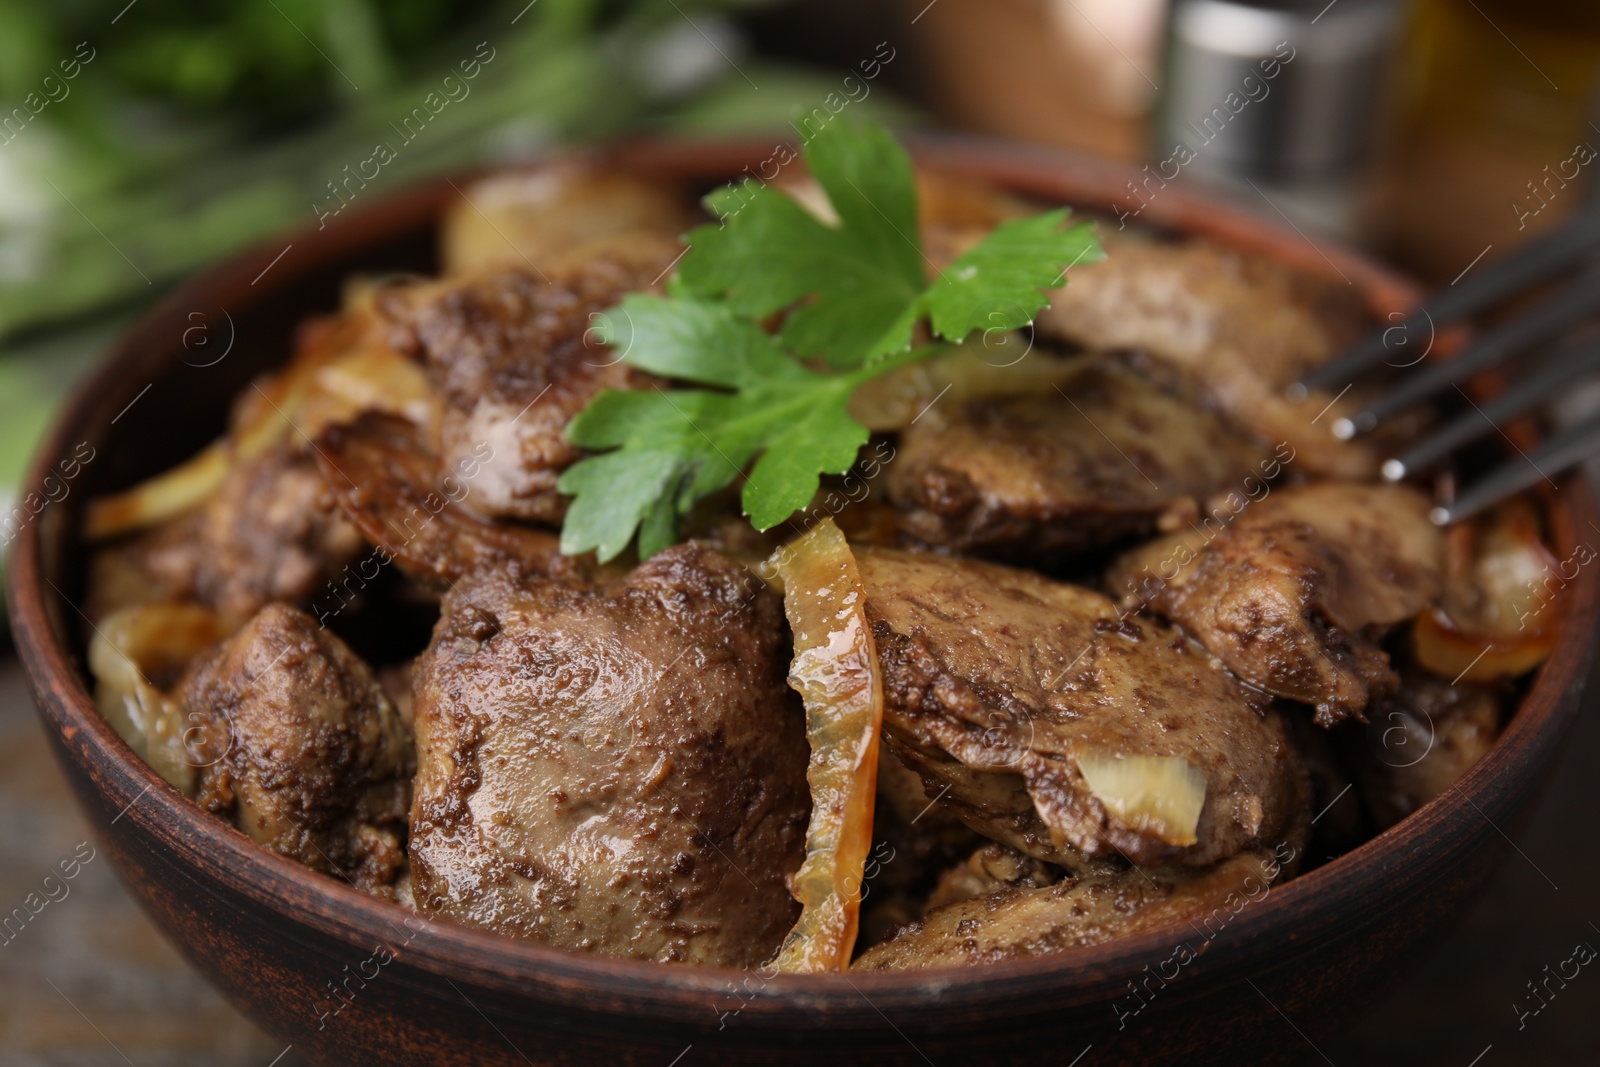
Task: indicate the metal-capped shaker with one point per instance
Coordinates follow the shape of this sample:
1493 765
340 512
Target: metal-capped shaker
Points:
1281 94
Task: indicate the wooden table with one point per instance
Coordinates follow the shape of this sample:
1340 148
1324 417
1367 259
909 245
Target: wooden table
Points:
89 981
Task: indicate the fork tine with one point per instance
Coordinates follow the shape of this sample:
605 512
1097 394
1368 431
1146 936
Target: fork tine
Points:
1567 362
1535 262
1572 445
1568 306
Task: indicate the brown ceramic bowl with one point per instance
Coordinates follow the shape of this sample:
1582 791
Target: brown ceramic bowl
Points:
278 939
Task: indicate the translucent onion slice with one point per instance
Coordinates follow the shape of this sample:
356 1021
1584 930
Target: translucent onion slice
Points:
160 498
1160 795
190 483
1502 598
835 671
990 365
263 419
131 647
548 217
343 367
371 378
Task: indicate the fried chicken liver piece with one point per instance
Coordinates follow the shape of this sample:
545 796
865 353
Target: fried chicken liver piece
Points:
1234 329
297 745
514 356
1017 920
1038 477
387 479
1009 692
1418 741
615 768
1295 591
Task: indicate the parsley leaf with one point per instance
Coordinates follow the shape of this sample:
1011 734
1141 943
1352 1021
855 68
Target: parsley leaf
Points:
999 283
767 252
676 446
852 294
699 341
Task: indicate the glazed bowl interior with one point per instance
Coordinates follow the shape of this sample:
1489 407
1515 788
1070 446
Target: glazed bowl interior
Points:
166 391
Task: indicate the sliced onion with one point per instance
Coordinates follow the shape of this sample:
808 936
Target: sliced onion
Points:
989 365
370 378
343 366
1502 598
1160 795
130 647
545 218
158 499
835 671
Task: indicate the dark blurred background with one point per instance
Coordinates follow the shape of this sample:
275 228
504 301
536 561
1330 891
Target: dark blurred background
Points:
141 140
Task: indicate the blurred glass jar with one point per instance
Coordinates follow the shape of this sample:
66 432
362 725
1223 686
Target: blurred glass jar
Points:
1494 137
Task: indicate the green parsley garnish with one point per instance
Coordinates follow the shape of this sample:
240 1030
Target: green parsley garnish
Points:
851 297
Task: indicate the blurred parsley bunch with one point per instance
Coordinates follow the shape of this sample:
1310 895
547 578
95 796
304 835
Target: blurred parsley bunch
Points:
255 63
197 127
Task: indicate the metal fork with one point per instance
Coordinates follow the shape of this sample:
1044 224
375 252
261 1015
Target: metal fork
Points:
1567 252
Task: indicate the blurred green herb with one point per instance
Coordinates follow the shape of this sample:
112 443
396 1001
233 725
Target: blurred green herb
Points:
197 127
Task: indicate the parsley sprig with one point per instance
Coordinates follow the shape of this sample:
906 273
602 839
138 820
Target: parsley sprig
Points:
849 296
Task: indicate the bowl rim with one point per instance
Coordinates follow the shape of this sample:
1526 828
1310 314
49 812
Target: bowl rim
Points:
1293 917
